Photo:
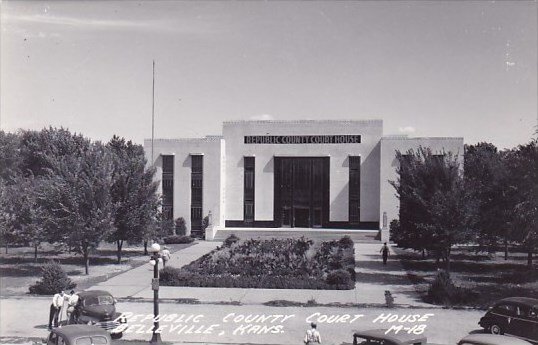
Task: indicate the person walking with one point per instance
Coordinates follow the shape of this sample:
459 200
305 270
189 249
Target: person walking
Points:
385 253
55 308
312 335
165 255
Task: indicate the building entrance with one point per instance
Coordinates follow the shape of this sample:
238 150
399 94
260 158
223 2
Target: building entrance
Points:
301 192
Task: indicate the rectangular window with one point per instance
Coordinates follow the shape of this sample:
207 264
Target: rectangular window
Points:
248 190
168 164
168 187
197 171
354 190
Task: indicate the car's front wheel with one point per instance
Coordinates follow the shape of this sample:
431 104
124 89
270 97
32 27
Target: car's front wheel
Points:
116 335
496 329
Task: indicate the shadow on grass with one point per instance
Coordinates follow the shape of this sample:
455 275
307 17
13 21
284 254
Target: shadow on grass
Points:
413 295
372 265
25 271
464 266
74 260
382 278
124 254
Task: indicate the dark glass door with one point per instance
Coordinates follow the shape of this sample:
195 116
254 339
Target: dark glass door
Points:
301 191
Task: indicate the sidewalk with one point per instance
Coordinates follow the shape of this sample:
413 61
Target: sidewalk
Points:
138 280
372 280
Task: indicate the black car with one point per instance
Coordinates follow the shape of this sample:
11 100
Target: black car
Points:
78 335
98 307
517 316
380 336
491 339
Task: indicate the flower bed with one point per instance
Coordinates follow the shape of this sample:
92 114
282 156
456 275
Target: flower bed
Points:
273 264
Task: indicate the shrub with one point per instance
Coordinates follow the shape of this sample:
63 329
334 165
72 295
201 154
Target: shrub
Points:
205 222
181 228
230 240
339 277
53 281
166 228
395 235
178 239
444 291
345 242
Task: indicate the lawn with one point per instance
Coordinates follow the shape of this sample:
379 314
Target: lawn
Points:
485 278
19 270
274 264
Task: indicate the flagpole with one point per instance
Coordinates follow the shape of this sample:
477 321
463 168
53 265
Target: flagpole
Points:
153 114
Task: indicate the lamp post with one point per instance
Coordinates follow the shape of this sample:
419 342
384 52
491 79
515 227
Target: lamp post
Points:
154 261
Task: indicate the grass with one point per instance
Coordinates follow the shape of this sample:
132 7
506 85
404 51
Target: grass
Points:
19 269
488 277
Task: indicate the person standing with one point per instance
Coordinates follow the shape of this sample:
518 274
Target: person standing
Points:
312 335
385 253
165 255
72 300
55 308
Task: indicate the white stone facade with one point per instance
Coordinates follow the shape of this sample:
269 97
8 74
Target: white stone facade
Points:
224 157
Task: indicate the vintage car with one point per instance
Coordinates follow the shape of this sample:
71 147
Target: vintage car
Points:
378 336
78 335
517 316
491 339
98 307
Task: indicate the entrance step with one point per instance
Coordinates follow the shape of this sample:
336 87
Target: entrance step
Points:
366 236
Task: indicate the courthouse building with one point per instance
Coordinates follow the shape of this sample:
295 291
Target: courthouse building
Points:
327 174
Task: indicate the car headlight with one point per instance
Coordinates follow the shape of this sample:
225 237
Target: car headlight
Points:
123 319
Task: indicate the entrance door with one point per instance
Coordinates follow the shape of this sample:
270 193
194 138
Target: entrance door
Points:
301 191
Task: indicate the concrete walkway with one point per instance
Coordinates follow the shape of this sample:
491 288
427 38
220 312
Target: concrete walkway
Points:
137 282
373 279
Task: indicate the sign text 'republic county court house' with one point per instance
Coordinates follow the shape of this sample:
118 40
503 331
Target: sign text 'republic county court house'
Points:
302 139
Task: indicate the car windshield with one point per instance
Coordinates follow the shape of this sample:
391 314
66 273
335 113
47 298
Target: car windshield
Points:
83 341
98 300
94 340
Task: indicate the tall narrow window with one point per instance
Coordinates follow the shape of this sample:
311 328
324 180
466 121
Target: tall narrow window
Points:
168 187
197 172
354 190
248 198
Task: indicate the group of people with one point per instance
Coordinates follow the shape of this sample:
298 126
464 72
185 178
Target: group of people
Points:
58 301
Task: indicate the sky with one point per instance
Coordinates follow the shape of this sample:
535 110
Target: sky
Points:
459 68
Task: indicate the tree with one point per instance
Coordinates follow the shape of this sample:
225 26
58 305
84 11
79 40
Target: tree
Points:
27 213
452 218
20 214
487 178
523 168
436 210
77 200
133 192
40 150
7 216
10 159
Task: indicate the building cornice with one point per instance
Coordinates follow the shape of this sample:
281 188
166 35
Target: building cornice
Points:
212 138
388 137
343 122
